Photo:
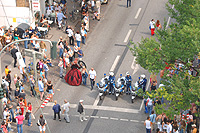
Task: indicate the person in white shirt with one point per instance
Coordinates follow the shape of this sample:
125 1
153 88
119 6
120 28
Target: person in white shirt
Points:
60 64
148 124
66 108
5 113
152 26
149 105
92 5
70 35
78 38
1 31
71 54
92 76
75 51
169 127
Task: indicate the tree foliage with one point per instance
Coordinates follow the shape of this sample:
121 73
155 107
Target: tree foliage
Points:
178 43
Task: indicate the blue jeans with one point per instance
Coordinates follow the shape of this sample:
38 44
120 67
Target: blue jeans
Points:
26 44
29 120
78 43
92 83
9 129
148 130
12 114
61 52
20 128
46 73
128 3
84 80
145 101
128 88
83 39
111 89
149 108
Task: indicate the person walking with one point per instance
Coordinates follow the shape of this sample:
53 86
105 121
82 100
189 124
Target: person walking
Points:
66 108
41 88
92 76
61 47
13 53
152 26
20 120
9 79
42 123
56 109
78 38
46 68
128 3
81 111
148 124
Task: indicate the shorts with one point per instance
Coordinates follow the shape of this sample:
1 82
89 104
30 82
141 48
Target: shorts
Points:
51 91
42 129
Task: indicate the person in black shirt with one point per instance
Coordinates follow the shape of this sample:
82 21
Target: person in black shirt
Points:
9 79
13 53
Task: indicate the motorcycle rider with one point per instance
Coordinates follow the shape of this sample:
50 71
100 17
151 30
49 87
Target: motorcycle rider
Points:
111 81
128 83
143 82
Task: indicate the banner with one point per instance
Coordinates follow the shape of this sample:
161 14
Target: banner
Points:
36 5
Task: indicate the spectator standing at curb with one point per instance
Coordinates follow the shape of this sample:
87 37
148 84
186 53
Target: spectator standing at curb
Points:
66 108
128 3
92 76
9 79
81 111
61 47
153 120
32 84
148 124
20 120
84 73
83 35
70 35
80 53
41 88
149 105
92 5
56 109
98 5
43 46
46 68
78 38
29 111
42 123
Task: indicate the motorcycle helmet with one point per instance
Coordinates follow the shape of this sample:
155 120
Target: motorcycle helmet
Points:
111 73
143 76
127 73
120 75
104 75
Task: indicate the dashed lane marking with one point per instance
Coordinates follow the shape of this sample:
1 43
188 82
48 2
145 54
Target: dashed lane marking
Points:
134 120
115 63
104 117
124 120
114 118
138 12
127 36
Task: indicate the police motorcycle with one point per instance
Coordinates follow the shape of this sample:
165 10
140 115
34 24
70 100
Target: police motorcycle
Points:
133 94
140 84
103 86
119 86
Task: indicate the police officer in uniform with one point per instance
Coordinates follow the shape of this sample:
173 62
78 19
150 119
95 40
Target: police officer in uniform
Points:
112 81
128 83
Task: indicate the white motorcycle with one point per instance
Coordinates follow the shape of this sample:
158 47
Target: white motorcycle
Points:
103 87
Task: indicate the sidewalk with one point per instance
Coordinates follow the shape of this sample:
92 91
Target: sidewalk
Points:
53 73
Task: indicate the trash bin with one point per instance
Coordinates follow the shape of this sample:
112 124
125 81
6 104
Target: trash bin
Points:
54 50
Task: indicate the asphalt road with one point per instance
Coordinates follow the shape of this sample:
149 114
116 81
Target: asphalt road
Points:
106 49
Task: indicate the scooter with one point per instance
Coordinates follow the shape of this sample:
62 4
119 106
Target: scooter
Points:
119 89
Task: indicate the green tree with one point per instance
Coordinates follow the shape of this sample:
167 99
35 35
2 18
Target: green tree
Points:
179 43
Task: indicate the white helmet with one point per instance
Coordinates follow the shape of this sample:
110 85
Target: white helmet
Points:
143 76
111 73
161 85
127 73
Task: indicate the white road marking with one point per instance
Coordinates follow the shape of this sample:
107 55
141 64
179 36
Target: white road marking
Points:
169 18
127 36
96 101
114 118
45 113
134 66
94 116
104 117
138 12
123 119
143 99
134 120
115 63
